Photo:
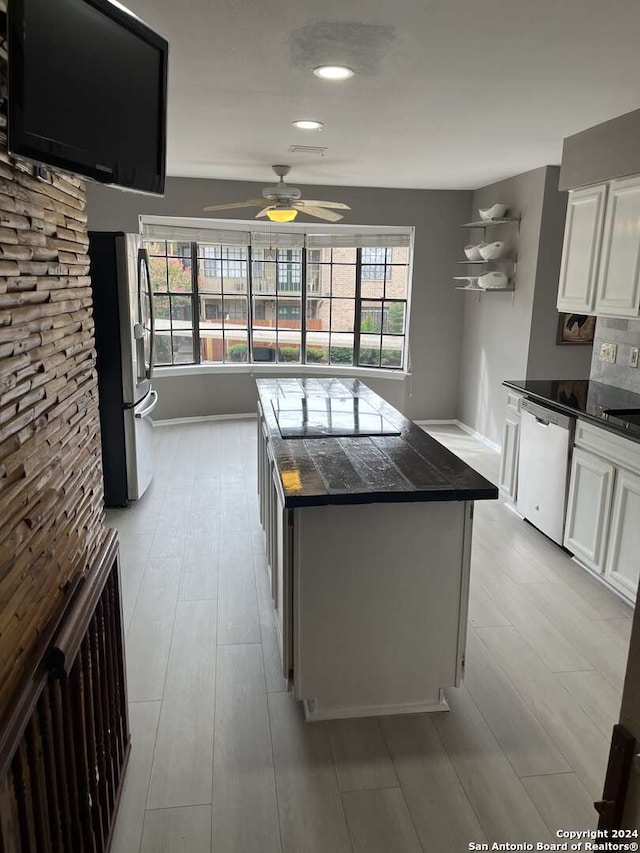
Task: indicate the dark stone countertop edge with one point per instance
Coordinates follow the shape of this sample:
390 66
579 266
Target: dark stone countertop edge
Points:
631 434
460 482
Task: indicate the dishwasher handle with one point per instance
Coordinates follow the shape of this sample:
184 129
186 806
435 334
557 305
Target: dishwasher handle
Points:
545 416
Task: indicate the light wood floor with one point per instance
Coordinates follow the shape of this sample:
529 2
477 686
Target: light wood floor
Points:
222 760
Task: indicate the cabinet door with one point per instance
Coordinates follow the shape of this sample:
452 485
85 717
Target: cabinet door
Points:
588 508
509 459
623 553
283 573
581 250
619 275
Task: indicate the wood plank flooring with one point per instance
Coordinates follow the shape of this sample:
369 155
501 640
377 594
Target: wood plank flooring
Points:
222 760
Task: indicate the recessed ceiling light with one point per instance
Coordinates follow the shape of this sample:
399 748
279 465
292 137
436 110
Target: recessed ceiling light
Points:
308 124
333 72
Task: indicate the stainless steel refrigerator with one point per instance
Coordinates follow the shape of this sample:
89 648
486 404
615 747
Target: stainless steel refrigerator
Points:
124 331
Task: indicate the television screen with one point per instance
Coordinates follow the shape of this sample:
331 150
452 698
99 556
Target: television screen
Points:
87 91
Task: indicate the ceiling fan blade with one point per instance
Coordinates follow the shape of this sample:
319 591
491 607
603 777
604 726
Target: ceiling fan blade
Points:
315 203
263 212
252 202
318 212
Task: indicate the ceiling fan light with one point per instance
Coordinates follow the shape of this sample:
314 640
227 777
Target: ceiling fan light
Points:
282 214
308 124
333 72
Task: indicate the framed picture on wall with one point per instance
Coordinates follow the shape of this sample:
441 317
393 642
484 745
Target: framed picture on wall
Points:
575 329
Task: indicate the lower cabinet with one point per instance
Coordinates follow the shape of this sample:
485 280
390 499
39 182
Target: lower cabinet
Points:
602 528
622 568
508 477
588 508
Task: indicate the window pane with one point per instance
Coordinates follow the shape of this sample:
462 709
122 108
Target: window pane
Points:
398 256
372 272
236 347
183 347
158 271
392 349
264 311
211 311
209 250
343 256
289 346
209 276
181 311
235 310
290 255
394 318
371 317
234 275
178 249
369 350
319 279
179 273
161 309
341 351
162 347
375 255
396 284
289 313
289 277
342 315
372 289
264 254
317 348
343 280
318 314
264 277
211 344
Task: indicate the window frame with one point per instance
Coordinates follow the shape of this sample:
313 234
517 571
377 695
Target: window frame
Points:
302 295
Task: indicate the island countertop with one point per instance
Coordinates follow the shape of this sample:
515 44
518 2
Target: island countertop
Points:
407 466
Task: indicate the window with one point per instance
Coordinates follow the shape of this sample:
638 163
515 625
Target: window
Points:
218 303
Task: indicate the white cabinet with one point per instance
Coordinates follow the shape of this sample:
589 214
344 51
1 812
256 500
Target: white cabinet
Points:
508 477
619 275
588 508
603 513
581 250
623 557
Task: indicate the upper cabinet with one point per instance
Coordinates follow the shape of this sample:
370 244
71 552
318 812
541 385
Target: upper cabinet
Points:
619 276
581 250
600 270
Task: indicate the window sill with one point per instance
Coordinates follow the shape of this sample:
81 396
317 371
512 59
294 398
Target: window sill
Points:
280 370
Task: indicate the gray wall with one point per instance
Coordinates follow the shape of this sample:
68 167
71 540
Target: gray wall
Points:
608 150
436 315
546 359
513 336
626 334
496 329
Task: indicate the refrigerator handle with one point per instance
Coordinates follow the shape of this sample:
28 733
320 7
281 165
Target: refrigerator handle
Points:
143 259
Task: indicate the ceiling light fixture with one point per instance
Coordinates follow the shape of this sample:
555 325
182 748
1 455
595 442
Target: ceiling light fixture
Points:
308 124
282 214
333 72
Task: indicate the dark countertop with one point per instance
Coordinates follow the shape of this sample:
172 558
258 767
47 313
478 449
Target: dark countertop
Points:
583 399
409 466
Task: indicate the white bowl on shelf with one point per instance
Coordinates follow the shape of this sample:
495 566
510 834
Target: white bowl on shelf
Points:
492 251
496 211
473 252
493 281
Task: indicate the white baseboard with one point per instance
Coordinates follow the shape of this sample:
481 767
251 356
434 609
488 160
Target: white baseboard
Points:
201 418
455 422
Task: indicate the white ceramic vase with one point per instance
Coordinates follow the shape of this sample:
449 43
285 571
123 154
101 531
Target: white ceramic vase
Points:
493 281
492 251
473 252
496 211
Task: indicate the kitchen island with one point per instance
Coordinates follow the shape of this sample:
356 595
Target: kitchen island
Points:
368 526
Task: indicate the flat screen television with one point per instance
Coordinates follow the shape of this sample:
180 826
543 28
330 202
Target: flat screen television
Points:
88 91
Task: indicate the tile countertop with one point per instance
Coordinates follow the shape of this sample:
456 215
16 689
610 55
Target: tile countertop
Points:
408 466
584 399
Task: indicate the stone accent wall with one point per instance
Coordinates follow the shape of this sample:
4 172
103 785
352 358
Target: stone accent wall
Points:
51 502
626 334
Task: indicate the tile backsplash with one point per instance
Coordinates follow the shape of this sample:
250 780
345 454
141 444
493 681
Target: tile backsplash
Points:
626 334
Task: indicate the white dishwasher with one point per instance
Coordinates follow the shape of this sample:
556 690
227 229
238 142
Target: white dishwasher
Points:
546 437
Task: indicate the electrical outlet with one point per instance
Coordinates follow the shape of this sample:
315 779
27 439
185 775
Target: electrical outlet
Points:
608 352
633 357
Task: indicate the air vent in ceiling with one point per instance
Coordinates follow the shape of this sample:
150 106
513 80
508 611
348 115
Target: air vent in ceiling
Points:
308 149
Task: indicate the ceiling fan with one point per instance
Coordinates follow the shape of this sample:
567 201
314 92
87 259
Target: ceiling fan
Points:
285 202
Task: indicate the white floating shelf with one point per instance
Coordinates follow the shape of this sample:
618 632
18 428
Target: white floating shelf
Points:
466 277
473 288
487 223
473 262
